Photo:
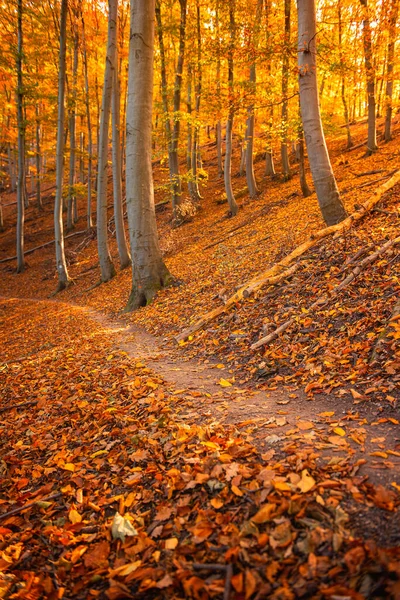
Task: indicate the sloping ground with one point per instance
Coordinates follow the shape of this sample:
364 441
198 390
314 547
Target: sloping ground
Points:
111 488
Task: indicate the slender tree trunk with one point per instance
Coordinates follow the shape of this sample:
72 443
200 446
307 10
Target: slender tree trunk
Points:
63 277
189 149
72 139
342 76
285 86
106 266
38 159
233 207
218 74
1 217
124 257
370 75
89 129
149 272
269 158
390 67
196 158
328 196
173 152
251 180
21 148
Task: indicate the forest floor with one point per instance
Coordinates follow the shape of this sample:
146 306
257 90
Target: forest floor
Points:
136 467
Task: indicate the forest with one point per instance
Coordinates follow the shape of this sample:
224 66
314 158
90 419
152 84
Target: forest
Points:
199 299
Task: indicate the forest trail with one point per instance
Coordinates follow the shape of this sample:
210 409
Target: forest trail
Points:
205 395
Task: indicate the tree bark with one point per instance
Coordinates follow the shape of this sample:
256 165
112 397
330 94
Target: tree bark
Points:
38 157
196 158
89 129
285 85
233 207
305 190
124 257
107 269
251 180
72 139
342 77
21 147
328 196
370 75
149 272
218 84
394 9
63 277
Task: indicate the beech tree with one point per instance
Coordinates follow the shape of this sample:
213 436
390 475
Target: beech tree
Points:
233 207
106 265
394 10
149 272
370 77
328 196
62 271
21 147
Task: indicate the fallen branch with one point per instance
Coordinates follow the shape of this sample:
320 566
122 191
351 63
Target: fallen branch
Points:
321 301
22 405
277 272
358 187
16 511
10 258
373 172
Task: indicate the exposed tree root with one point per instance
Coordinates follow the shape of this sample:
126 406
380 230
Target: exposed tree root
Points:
278 271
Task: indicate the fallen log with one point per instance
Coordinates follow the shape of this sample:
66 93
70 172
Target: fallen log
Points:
277 272
321 301
10 258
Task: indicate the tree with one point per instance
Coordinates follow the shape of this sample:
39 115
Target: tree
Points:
394 9
370 76
328 196
106 265
285 85
149 272
63 277
21 148
251 180
233 207
342 75
124 257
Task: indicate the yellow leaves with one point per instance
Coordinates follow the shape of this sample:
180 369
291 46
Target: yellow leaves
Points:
220 366
264 514
171 543
356 395
224 383
304 425
69 467
74 516
339 431
282 486
125 570
306 482
98 453
121 527
236 490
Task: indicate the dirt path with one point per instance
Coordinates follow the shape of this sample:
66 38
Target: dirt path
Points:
340 432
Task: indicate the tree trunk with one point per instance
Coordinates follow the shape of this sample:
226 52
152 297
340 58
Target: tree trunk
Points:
21 148
89 128
38 157
149 272
370 75
285 85
218 74
390 67
269 157
107 269
251 180
233 207
196 159
72 139
328 196
305 190
63 278
124 257
342 77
